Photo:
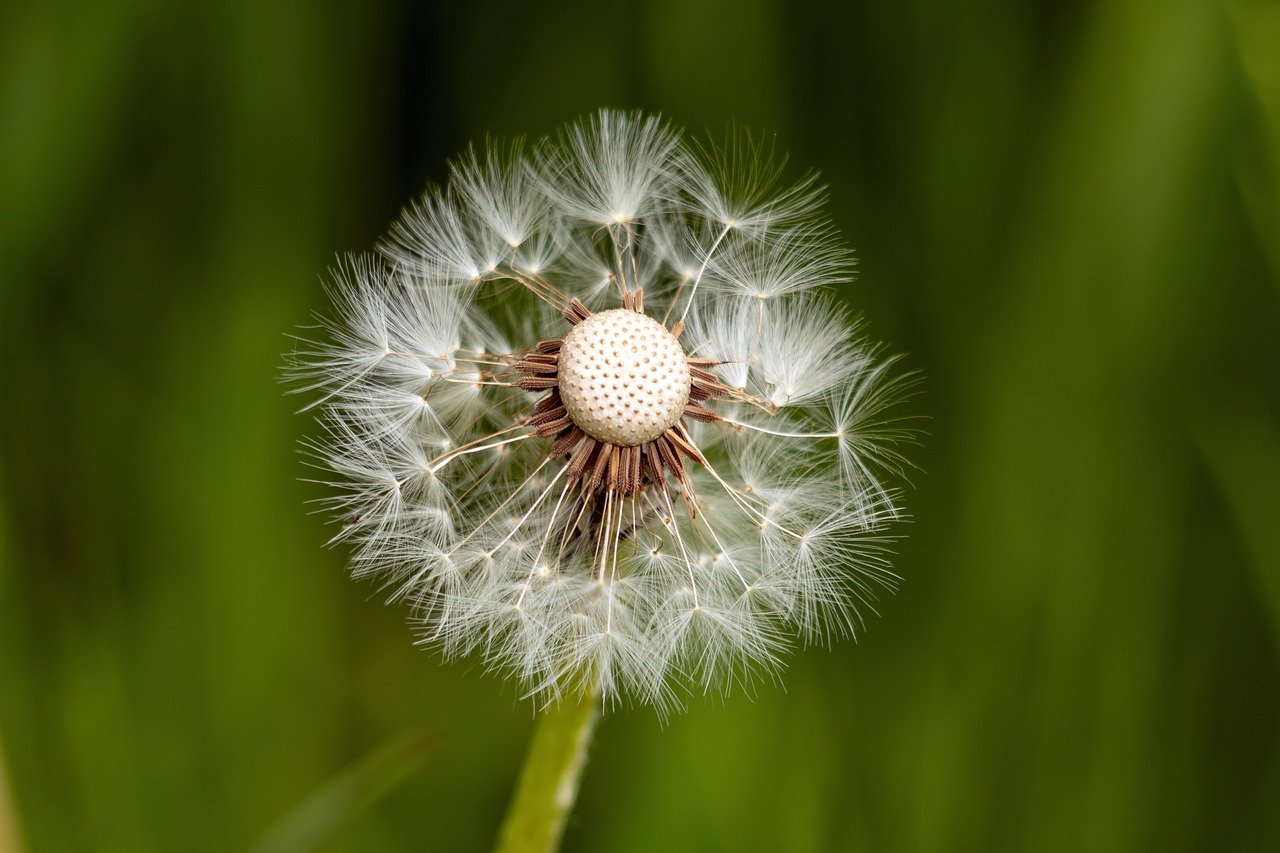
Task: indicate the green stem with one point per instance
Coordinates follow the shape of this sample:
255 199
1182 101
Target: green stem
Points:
548 784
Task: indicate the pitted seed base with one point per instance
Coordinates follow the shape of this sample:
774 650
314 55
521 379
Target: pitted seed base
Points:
623 378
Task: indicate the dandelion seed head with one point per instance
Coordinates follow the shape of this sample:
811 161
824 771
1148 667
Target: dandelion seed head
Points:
591 411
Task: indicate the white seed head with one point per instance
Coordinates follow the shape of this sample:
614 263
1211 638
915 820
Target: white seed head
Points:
453 369
623 377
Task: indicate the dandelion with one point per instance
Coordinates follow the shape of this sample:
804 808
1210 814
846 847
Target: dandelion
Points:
595 416
593 413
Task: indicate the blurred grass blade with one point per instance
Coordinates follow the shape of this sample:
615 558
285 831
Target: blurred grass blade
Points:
10 837
1257 33
10 832
349 793
1243 452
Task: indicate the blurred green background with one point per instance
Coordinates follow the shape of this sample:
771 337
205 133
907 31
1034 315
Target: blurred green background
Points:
1066 213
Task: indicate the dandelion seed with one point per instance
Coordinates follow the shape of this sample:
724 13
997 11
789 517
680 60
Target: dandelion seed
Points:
593 416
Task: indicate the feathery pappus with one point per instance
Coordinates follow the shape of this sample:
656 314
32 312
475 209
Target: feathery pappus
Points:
594 412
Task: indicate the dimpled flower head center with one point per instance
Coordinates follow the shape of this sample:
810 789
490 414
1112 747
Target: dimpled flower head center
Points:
623 377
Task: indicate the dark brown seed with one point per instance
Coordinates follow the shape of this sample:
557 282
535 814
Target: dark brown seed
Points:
602 461
700 413
566 442
581 458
